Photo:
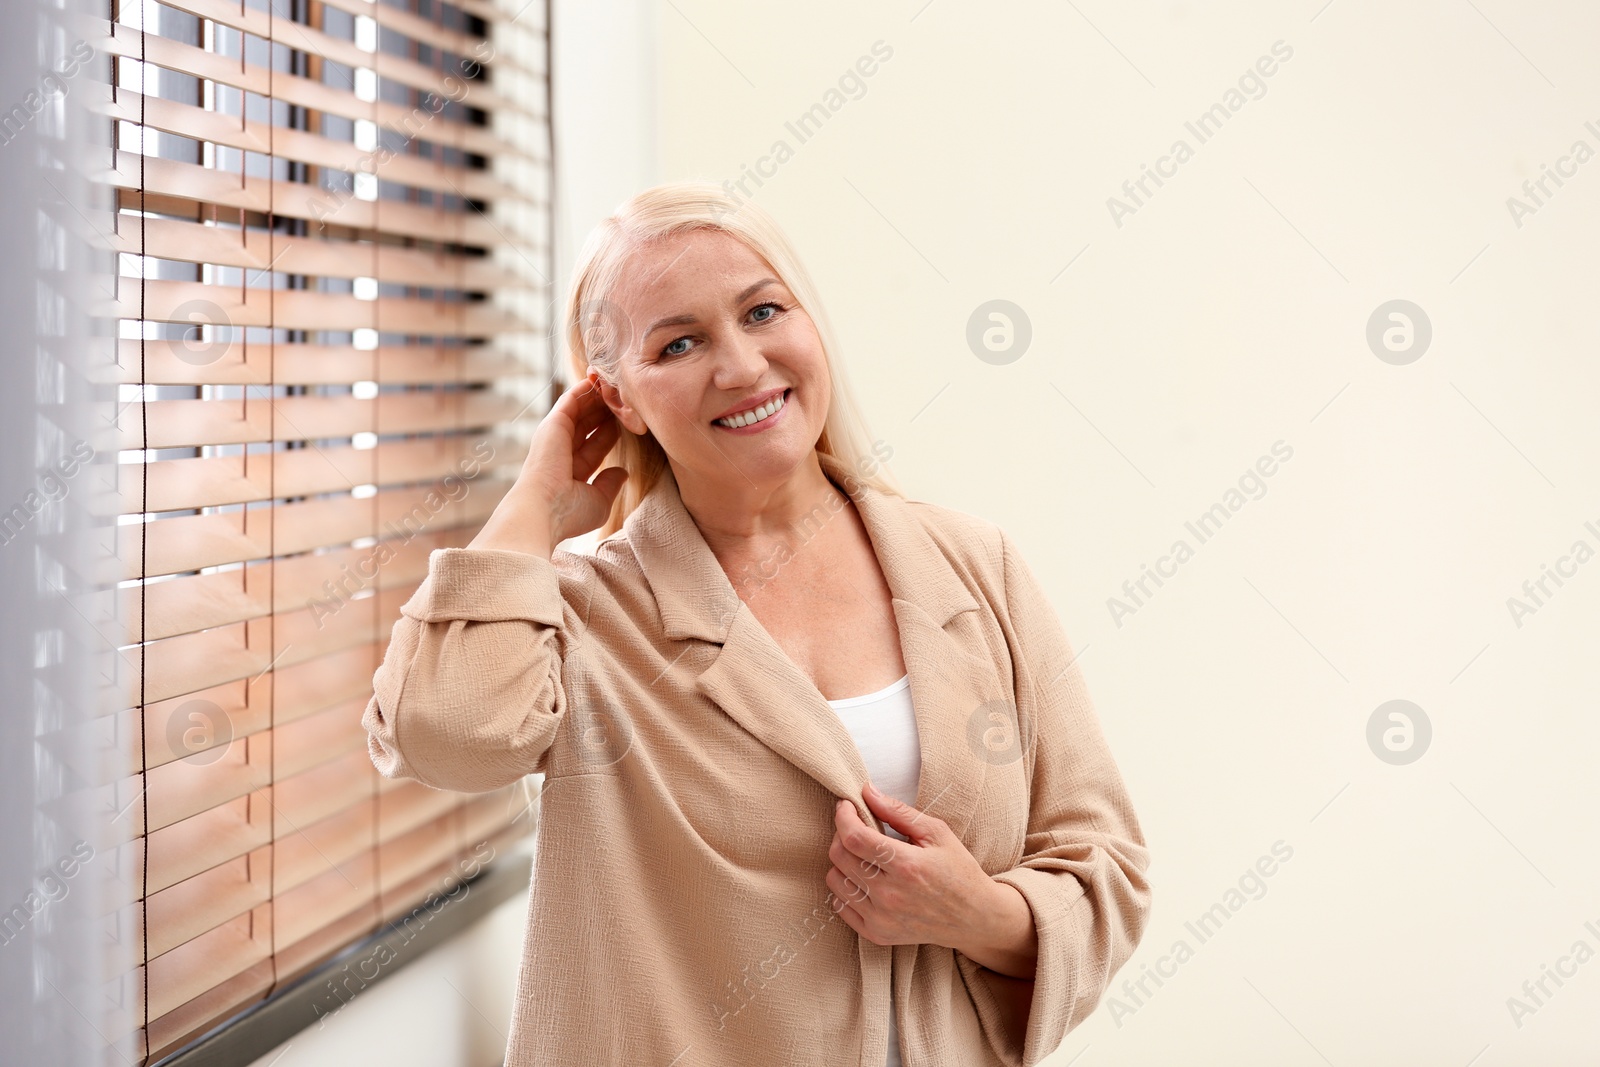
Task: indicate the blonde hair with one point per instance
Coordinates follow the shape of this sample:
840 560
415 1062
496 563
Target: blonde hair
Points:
598 334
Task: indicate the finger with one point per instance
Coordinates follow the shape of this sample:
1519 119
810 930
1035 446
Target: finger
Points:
845 816
879 851
569 406
862 840
847 821
593 451
847 889
591 411
577 390
850 863
852 918
577 414
609 484
862 871
898 815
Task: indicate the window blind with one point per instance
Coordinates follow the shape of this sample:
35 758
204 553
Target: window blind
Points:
332 223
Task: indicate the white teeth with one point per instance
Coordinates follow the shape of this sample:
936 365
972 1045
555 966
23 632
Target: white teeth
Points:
749 418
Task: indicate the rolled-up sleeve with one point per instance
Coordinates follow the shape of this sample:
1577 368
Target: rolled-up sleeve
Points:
469 694
1085 858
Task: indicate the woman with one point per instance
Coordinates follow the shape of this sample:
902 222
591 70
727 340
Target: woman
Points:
712 695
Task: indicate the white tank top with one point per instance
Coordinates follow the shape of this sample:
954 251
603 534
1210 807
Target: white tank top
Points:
885 731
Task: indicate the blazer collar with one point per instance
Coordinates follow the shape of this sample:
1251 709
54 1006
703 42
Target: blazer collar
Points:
697 599
953 686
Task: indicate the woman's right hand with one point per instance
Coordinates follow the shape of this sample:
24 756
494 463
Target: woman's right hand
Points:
552 498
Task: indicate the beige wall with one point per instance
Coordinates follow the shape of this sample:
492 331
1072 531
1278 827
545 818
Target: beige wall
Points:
1227 313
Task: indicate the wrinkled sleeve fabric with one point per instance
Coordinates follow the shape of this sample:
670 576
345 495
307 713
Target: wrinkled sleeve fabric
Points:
1085 858
469 694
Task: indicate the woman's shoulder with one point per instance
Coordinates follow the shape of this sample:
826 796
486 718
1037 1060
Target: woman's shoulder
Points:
583 563
608 562
969 539
973 546
603 579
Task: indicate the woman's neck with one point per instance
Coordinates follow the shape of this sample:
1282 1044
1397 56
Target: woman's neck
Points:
735 514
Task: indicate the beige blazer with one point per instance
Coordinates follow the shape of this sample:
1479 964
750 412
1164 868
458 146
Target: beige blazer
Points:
678 913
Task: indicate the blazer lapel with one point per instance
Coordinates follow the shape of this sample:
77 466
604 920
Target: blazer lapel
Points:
756 683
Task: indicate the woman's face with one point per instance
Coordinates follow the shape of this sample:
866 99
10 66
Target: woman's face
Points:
711 331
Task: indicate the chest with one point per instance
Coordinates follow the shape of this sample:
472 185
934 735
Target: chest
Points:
835 620
671 742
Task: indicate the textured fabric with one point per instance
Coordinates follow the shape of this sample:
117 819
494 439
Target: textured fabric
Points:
678 912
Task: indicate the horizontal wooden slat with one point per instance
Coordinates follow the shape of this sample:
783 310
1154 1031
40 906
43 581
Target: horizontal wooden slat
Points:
184 788
411 25
190 1020
207 961
417 851
300 911
318 849
242 363
235 826
185 605
403 810
215 127
178 665
303 689
172 546
294 960
300 746
333 861
307 39
193 182
196 303
308 798
212 481
192 423
255 250
244 707
329 579
214 836
195 722
416 121
206 901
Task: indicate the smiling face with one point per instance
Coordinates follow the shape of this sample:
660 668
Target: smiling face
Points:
715 333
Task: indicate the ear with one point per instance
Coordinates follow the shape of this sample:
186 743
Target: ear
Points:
624 411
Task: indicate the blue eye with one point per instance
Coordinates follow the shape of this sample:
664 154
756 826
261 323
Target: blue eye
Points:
670 350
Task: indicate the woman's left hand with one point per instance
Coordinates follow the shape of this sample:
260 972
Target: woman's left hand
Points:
928 890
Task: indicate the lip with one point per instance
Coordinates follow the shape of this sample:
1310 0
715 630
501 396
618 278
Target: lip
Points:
759 427
753 402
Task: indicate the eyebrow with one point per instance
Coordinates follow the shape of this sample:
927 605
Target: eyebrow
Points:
684 320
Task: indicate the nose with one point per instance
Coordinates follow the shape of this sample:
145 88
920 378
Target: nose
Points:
740 361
